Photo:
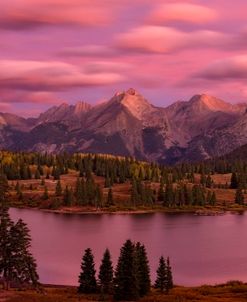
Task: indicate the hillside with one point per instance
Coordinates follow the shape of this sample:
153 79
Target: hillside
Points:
82 183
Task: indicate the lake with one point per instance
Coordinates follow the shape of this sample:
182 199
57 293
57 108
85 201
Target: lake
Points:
202 249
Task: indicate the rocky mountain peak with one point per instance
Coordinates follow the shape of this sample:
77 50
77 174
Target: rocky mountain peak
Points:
204 102
131 91
135 103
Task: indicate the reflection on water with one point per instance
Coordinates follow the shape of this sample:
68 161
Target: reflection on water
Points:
203 249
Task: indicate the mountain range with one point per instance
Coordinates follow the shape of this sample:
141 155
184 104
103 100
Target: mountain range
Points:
127 124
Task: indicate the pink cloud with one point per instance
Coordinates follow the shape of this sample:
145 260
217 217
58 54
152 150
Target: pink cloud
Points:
159 39
186 12
52 75
10 100
89 50
228 68
20 14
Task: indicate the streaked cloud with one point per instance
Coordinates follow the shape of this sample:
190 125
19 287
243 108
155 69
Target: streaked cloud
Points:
182 11
24 14
88 50
228 68
60 50
161 39
53 75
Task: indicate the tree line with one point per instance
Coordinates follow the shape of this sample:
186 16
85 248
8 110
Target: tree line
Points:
131 278
141 175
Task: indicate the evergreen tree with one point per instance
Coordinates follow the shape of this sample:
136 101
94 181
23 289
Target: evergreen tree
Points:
37 174
164 280
41 171
16 262
107 181
169 278
213 199
109 198
161 192
106 274
25 268
79 192
98 196
45 194
5 251
168 195
209 181
68 196
87 280
208 198
59 190
160 282
239 196
203 179
134 192
143 270
234 181
4 187
125 281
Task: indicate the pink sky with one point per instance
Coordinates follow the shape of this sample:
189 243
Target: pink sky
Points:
57 50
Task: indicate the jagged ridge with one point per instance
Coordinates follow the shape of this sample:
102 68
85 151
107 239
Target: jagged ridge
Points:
128 124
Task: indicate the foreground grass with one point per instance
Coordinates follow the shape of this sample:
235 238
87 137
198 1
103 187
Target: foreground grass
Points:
230 292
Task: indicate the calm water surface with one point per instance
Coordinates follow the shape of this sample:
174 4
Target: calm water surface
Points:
203 249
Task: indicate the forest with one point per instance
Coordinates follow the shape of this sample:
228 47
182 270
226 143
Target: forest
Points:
110 183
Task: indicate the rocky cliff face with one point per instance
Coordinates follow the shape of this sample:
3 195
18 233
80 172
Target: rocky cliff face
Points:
129 125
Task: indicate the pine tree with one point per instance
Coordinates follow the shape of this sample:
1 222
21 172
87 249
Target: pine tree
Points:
87 280
16 262
169 278
234 181
168 195
239 196
37 174
160 282
107 181
106 274
4 187
143 270
68 197
59 190
209 197
213 199
5 251
110 201
203 179
98 196
161 192
164 280
25 265
125 281
79 192
209 182
134 193
45 194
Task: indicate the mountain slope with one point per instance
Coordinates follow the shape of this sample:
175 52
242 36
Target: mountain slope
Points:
128 124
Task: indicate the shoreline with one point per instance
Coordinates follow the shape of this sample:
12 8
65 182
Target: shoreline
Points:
197 211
